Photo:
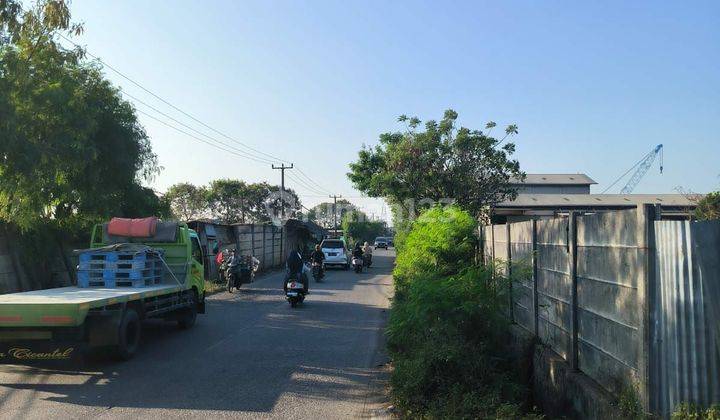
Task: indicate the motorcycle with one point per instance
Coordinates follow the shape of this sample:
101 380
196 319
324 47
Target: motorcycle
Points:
357 264
295 292
240 274
367 260
317 271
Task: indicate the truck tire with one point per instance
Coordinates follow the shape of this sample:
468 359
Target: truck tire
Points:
187 316
129 335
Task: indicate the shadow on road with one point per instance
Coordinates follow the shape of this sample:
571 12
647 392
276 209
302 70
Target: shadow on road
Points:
250 350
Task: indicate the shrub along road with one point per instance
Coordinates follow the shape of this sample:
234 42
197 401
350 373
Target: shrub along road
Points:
251 355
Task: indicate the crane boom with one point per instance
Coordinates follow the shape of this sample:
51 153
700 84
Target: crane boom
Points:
643 167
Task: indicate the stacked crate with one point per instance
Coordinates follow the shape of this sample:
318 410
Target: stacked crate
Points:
112 269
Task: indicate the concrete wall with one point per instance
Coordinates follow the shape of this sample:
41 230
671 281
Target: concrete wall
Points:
584 296
553 285
522 291
621 304
610 268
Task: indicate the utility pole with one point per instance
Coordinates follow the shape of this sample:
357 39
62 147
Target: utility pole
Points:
335 197
282 187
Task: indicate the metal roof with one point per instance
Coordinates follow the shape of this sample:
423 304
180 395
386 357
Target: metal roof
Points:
596 200
555 179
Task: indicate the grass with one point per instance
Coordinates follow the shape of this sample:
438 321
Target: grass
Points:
447 331
211 287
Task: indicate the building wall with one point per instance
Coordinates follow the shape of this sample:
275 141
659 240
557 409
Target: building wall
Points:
553 189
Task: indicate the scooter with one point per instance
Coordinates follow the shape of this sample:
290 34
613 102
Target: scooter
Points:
317 271
295 292
357 264
367 259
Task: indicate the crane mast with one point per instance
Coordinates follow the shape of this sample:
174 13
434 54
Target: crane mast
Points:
643 168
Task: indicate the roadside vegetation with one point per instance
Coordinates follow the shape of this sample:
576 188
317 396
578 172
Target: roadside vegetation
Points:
708 207
692 412
447 331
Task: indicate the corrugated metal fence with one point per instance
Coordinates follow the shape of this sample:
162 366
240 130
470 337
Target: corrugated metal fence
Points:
687 299
590 286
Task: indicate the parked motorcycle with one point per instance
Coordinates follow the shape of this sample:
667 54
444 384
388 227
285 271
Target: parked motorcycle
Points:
367 259
295 292
357 264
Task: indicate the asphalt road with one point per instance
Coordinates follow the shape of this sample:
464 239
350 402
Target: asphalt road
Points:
250 356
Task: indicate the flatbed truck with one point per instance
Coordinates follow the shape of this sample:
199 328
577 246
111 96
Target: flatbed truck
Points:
64 322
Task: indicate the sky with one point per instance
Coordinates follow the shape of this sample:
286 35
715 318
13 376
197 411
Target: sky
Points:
593 86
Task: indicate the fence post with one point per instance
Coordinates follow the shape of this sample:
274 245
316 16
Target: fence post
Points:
572 248
646 215
534 256
508 249
274 231
282 233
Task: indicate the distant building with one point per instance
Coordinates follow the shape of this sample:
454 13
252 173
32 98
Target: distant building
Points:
554 184
552 195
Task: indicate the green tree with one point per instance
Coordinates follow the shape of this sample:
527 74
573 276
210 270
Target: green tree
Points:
187 201
442 163
72 147
357 227
708 207
323 215
227 200
234 201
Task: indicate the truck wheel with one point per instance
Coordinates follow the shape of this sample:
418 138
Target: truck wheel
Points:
129 335
187 316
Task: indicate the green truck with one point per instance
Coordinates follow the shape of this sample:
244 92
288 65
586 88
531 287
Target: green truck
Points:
62 323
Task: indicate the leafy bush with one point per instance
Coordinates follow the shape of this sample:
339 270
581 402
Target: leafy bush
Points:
692 412
441 240
447 331
708 208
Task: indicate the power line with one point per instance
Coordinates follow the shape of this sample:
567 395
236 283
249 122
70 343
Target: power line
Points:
312 181
305 185
121 74
124 76
249 156
195 137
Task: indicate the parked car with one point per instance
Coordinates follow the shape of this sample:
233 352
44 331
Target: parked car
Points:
336 254
381 242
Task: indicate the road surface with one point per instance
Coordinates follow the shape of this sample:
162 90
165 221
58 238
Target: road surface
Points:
250 356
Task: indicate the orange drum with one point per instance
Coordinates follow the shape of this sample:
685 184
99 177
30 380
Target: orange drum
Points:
134 228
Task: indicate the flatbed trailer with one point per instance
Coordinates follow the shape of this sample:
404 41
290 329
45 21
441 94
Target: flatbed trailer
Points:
63 322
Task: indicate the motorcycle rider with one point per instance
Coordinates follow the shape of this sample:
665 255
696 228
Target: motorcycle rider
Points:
234 266
357 252
318 257
294 265
367 251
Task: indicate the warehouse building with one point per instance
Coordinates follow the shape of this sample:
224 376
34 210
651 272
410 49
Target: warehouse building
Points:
553 195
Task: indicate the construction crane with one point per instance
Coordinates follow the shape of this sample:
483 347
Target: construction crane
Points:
641 168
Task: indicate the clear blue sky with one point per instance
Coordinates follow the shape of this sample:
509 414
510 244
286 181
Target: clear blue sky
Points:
592 85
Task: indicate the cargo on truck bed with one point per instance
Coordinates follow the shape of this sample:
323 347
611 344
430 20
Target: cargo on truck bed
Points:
110 315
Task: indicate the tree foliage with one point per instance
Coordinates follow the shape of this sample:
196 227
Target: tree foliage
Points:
708 208
358 227
323 214
187 201
232 201
72 147
439 164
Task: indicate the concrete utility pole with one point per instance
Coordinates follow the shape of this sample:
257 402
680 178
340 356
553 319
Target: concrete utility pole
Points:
335 197
282 186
